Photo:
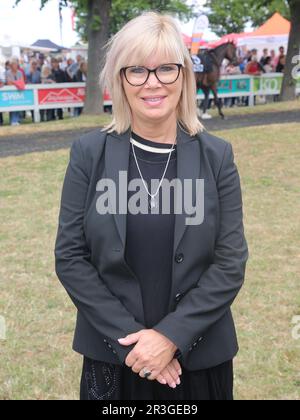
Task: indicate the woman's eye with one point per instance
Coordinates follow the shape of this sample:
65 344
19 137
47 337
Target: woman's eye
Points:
166 68
137 70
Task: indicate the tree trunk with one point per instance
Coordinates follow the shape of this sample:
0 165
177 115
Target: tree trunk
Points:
98 26
289 82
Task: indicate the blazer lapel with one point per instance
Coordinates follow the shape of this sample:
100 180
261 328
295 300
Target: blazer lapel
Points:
188 168
116 160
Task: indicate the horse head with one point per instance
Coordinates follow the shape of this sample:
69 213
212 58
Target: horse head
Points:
230 53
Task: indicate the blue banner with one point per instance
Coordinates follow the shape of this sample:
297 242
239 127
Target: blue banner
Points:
13 98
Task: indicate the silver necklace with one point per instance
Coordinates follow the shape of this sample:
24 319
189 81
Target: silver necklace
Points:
152 201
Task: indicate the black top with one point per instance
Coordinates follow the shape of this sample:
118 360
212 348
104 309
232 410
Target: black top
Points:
149 238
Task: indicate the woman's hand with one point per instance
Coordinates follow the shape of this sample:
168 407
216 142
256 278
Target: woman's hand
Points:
152 351
170 375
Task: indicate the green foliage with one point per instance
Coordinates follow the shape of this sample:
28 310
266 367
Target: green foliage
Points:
122 11
232 15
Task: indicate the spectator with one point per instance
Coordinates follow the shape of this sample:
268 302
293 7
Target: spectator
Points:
253 53
280 61
34 75
281 65
253 67
231 69
21 66
59 77
273 60
264 57
13 75
41 62
46 75
268 66
75 66
81 76
47 78
69 73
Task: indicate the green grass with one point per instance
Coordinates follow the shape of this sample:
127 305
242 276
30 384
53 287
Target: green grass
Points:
36 359
68 123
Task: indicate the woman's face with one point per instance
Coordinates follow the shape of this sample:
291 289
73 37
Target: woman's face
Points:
153 101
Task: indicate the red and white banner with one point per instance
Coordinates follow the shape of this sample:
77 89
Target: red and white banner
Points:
61 96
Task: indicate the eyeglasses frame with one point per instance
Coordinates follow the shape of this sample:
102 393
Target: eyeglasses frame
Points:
179 66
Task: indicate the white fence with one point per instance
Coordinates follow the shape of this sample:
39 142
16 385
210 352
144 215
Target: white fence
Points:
72 95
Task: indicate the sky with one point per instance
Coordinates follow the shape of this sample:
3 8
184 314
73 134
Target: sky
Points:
26 23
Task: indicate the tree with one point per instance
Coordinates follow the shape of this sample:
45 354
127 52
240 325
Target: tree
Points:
289 82
229 16
97 20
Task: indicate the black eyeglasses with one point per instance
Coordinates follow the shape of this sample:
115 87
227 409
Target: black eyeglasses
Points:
165 74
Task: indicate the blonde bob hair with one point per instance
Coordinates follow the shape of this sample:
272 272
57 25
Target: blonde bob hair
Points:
149 33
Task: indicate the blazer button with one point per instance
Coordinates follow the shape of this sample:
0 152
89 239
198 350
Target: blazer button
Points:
178 297
179 258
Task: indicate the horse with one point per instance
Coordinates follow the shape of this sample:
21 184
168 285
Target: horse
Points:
209 81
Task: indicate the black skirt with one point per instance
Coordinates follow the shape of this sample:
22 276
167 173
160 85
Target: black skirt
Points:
107 381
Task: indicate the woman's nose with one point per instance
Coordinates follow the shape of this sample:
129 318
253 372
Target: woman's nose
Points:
153 80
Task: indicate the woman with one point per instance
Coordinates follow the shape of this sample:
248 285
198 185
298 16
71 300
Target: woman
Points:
153 286
80 77
34 74
253 68
13 76
34 78
46 79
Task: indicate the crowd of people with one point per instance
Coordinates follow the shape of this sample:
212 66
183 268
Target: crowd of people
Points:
252 64
42 70
47 70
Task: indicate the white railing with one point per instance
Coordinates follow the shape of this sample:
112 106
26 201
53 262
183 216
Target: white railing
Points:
72 95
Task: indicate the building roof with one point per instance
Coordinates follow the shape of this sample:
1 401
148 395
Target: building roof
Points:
46 43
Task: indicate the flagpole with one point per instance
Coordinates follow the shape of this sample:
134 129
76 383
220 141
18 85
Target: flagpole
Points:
60 21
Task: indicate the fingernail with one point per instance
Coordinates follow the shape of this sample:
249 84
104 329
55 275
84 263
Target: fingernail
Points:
164 381
173 385
179 372
178 381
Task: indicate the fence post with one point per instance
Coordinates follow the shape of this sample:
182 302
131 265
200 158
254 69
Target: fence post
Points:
36 112
251 97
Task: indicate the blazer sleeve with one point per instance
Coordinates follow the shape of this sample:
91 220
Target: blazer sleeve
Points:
218 286
78 275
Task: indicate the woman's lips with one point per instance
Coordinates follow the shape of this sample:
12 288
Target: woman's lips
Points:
154 101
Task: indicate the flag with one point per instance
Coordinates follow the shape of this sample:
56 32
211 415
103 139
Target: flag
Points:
201 23
73 16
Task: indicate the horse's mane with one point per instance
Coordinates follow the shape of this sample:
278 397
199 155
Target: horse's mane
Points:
222 45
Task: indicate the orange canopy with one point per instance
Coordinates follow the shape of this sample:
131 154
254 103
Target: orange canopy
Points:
276 25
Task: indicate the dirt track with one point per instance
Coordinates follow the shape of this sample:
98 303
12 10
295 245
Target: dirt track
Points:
21 144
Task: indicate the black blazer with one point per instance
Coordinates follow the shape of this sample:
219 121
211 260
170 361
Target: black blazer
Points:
208 262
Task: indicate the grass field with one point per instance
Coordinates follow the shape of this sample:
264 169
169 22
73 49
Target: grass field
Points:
36 359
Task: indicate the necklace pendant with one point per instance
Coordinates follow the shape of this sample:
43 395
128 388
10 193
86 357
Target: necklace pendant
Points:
152 203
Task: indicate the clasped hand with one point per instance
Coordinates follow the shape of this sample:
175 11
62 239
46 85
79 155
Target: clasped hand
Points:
155 352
